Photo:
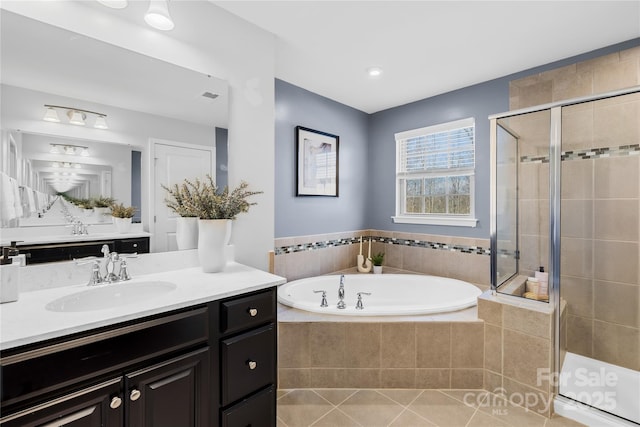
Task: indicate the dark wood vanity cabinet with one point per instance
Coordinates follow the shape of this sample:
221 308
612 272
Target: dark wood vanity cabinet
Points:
179 369
248 360
51 252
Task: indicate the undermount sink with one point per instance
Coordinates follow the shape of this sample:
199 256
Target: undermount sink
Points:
103 297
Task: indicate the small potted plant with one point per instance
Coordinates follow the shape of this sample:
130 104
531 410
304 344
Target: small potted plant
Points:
377 260
179 200
122 216
215 210
102 207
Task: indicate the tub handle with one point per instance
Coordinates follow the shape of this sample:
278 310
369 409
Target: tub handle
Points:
359 305
323 303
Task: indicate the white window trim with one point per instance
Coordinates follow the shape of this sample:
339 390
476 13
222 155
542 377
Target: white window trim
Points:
431 219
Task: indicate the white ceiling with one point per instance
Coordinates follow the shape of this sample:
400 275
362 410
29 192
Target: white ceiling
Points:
427 47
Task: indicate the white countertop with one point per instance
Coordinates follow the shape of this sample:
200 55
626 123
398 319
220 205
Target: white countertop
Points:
26 321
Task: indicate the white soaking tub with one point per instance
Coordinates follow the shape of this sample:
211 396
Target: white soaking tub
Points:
391 294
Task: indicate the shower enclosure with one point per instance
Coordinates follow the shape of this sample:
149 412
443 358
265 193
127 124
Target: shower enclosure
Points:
565 188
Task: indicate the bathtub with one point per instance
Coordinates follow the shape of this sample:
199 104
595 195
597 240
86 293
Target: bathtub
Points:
391 294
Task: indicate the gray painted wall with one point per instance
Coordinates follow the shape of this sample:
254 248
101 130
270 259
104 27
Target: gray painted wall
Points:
296 216
367 164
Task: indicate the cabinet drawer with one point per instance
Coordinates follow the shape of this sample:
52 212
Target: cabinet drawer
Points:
243 313
126 246
42 370
248 363
256 411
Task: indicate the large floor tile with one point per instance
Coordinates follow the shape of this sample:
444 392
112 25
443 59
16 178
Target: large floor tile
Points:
370 408
441 409
336 418
410 419
301 408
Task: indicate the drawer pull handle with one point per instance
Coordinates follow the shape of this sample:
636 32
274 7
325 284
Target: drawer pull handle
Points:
253 312
135 395
252 364
115 402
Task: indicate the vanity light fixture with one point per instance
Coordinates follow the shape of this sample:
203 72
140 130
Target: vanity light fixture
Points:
77 116
51 115
101 123
158 15
69 149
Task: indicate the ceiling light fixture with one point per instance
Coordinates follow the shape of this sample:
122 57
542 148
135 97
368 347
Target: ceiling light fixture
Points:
374 72
77 116
114 4
158 15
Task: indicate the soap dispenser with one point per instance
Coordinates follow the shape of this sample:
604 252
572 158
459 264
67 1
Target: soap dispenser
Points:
9 276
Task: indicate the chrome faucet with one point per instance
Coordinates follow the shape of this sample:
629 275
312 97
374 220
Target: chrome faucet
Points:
359 304
109 261
96 276
323 302
341 305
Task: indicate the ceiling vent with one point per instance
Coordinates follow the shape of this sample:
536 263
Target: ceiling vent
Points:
210 95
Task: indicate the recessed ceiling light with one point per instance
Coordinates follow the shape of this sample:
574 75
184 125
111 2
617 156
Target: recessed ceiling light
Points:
374 71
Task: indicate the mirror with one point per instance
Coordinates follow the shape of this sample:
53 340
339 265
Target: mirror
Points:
139 99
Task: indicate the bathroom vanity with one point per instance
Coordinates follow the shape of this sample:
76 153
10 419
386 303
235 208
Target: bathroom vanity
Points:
65 248
200 354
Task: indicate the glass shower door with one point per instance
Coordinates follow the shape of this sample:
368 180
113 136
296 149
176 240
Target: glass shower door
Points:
600 226
506 203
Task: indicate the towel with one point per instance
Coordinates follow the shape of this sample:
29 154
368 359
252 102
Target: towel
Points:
17 203
7 202
31 200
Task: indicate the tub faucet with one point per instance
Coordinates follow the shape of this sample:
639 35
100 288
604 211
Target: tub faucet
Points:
359 305
323 302
341 305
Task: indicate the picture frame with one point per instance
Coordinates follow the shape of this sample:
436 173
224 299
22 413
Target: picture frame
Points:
316 163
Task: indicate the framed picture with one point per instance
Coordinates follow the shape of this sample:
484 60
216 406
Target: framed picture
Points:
316 162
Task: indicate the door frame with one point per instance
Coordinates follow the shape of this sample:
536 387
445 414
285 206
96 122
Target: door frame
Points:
153 143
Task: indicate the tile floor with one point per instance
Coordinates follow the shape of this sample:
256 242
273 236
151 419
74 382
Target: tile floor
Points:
404 407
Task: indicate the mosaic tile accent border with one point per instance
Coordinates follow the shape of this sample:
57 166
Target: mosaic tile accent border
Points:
283 250
591 153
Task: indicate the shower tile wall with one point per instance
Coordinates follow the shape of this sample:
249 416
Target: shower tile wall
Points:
600 236
600 203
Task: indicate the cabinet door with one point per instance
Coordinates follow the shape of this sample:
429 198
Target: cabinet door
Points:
98 406
257 411
170 394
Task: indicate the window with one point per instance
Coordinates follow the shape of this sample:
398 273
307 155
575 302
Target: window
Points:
435 174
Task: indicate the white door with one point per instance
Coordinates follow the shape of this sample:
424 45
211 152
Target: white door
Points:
172 164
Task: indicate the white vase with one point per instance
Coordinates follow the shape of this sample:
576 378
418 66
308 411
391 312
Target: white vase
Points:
186 233
102 214
122 224
213 236
377 269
